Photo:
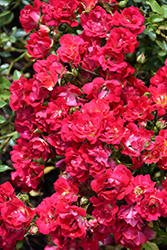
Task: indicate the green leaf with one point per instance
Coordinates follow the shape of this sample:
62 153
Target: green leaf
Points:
14 29
5 54
5 95
150 246
12 39
19 34
3 37
164 9
17 74
2 103
79 32
3 168
19 244
122 4
2 119
5 82
152 35
25 2
155 18
3 67
155 6
162 53
162 27
164 241
159 231
4 2
162 45
6 17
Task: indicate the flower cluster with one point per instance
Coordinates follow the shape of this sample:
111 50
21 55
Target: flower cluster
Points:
15 217
84 105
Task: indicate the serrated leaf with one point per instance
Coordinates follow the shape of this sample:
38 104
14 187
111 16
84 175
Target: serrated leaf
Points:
155 6
3 168
2 103
2 119
155 18
150 246
17 74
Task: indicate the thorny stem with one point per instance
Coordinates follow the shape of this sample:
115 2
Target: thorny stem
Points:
93 73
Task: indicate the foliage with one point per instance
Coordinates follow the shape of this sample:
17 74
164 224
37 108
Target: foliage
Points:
12 51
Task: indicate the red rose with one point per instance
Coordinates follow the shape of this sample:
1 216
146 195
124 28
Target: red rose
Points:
89 4
121 40
27 175
104 212
29 16
130 18
76 165
60 11
72 220
132 237
72 49
38 148
39 44
97 23
16 215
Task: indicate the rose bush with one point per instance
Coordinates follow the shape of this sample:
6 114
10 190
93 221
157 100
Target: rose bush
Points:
85 105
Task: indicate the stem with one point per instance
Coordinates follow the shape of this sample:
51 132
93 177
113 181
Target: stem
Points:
93 73
16 60
3 144
26 66
15 5
28 243
7 122
8 135
11 49
155 118
134 4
